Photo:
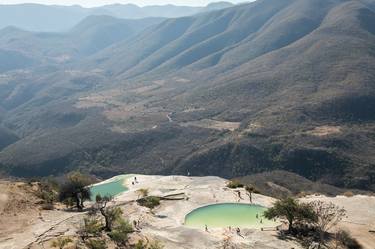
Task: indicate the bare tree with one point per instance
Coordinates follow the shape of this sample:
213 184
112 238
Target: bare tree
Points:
250 190
328 215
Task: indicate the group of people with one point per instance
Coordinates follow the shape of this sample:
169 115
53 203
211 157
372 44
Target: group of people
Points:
261 220
135 181
238 230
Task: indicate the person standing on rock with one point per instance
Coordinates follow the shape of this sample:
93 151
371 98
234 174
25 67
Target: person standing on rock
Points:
238 230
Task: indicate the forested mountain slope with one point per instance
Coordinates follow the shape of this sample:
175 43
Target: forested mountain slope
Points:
286 84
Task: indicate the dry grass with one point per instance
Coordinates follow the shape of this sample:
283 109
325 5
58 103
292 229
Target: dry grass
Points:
214 124
18 205
348 194
324 130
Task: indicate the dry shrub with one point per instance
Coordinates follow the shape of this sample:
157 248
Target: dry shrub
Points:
348 194
235 184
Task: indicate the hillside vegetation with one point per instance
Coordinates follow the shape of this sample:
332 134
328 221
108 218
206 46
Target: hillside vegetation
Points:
273 84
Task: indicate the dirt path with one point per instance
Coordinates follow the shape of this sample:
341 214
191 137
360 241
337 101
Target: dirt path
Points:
169 117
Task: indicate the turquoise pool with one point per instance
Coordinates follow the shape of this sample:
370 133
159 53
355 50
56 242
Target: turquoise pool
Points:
111 188
228 214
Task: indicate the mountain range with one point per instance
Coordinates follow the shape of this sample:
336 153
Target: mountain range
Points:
56 18
272 84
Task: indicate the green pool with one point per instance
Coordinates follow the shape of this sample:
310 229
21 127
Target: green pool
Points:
111 188
228 214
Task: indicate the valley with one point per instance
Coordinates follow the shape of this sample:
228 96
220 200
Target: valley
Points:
248 125
247 89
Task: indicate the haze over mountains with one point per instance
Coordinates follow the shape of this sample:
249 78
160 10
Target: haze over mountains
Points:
273 84
55 18
89 36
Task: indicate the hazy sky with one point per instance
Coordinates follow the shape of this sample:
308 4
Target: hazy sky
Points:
90 3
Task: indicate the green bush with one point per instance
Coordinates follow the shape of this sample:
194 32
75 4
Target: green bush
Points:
153 245
68 202
111 216
91 227
140 245
252 189
149 201
75 188
291 210
119 233
156 245
235 184
47 191
61 242
344 238
96 244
